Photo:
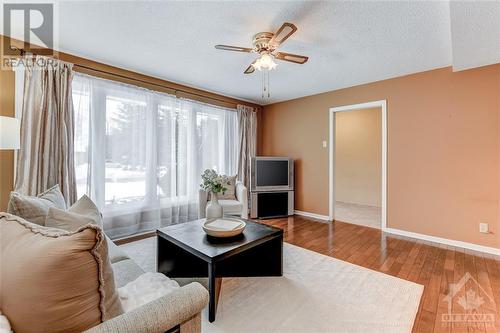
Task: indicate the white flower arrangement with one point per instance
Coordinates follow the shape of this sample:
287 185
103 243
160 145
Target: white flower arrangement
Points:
213 182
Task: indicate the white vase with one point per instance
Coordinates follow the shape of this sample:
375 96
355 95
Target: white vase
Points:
214 209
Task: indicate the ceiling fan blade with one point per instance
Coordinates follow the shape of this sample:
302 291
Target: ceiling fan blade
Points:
298 59
250 69
285 31
233 48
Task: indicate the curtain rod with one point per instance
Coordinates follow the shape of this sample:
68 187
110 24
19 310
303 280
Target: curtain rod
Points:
152 84
23 52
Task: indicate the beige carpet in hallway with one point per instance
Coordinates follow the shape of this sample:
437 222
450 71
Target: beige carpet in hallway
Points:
316 294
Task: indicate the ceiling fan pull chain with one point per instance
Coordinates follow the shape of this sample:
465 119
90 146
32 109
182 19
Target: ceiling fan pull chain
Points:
262 85
265 81
265 84
268 85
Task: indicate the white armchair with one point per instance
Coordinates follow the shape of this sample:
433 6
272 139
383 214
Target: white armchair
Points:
229 207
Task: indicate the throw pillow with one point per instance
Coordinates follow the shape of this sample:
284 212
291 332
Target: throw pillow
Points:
81 213
55 280
230 193
35 209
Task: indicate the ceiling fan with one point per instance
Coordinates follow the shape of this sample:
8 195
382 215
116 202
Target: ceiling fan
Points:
266 44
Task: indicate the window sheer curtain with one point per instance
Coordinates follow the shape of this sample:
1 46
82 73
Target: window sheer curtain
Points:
139 154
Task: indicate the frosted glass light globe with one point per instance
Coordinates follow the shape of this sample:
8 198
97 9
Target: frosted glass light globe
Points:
265 61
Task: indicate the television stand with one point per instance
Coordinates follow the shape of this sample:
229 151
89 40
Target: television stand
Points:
271 204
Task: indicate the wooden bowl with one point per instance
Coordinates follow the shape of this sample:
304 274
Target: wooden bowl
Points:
219 232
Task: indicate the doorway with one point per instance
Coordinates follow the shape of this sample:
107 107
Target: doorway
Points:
358 164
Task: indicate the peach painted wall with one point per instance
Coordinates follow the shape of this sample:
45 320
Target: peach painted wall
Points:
358 156
6 156
443 149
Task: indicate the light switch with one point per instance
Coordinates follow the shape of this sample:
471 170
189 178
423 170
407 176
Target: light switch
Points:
324 144
484 228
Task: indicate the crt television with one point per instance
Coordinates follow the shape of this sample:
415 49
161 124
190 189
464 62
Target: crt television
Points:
271 174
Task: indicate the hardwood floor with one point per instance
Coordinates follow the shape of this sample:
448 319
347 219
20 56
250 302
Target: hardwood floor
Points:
433 265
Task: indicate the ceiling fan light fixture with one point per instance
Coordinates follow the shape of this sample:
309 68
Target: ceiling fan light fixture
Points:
266 45
265 61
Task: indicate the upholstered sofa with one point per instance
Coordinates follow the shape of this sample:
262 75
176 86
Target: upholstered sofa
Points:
237 206
177 311
80 235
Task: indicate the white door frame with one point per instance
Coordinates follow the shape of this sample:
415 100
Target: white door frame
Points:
331 158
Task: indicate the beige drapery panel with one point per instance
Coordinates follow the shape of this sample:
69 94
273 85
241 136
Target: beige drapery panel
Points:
247 124
47 129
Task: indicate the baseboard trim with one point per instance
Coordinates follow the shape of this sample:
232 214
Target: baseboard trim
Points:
133 238
311 215
446 241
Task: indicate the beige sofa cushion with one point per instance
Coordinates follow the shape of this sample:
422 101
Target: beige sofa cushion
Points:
55 280
81 213
35 209
230 193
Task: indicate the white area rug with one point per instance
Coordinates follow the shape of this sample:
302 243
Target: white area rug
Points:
316 294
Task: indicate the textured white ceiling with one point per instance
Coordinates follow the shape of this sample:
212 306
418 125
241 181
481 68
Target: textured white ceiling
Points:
475 30
348 43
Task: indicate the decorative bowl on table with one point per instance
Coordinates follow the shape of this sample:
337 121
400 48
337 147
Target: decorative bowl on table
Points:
224 227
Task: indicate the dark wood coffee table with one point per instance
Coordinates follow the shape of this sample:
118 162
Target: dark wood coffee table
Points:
185 251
